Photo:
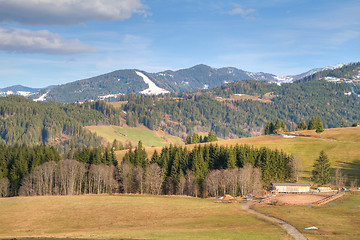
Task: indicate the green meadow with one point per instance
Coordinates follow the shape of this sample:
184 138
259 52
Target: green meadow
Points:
134 135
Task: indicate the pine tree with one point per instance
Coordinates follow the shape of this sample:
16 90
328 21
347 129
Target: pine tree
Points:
231 161
188 139
319 127
277 124
195 138
343 124
321 171
211 137
283 126
302 126
155 157
267 129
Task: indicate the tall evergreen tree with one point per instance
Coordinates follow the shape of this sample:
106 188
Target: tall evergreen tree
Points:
321 171
343 123
277 124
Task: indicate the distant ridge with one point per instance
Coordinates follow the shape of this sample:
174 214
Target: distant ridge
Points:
198 77
18 90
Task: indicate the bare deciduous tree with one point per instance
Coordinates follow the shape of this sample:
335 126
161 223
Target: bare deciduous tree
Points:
191 186
125 174
340 179
181 185
296 166
138 174
67 177
4 187
354 183
232 178
212 183
153 179
40 181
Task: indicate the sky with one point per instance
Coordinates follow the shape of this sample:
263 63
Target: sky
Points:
47 42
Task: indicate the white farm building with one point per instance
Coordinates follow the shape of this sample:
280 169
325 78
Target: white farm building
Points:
291 187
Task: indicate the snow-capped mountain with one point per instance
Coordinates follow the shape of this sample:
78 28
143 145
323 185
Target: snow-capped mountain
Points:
18 90
199 77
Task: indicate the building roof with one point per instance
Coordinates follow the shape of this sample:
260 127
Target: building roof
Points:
292 184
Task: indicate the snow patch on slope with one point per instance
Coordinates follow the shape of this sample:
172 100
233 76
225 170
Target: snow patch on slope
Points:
153 89
21 93
42 97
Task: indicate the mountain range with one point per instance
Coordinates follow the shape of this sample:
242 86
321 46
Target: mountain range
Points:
184 80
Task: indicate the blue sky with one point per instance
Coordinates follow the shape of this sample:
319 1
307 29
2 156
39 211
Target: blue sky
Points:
46 42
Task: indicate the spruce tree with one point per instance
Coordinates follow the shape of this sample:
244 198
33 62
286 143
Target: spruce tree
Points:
343 124
231 160
302 126
319 126
321 171
211 137
277 124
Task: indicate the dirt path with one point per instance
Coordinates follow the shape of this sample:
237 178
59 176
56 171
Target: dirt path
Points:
289 228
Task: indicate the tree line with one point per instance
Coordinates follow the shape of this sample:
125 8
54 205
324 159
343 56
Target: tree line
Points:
179 163
175 170
18 161
196 138
315 122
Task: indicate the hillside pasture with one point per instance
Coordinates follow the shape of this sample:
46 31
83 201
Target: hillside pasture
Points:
340 144
134 135
339 219
129 217
118 104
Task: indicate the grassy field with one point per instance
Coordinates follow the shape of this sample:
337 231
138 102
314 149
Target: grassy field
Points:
149 138
118 104
247 97
129 217
340 144
339 219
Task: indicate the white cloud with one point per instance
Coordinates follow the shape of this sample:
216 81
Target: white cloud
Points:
245 13
67 12
27 41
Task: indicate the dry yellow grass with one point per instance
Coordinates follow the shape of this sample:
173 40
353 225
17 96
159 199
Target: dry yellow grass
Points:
128 217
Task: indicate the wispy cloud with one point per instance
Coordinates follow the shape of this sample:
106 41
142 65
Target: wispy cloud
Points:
27 41
67 12
245 13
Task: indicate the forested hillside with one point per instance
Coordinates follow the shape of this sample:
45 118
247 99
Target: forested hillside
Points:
32 123
349 72
216 110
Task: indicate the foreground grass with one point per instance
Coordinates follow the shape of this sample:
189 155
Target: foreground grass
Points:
337 220
134 135
129 217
